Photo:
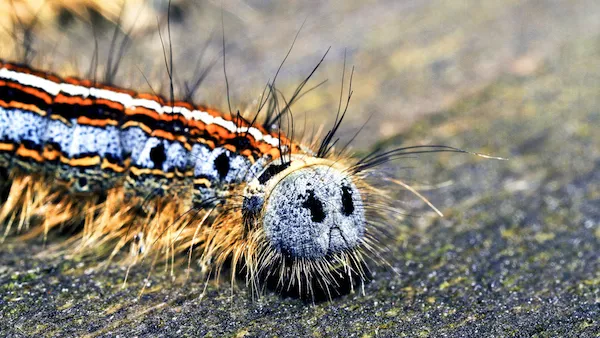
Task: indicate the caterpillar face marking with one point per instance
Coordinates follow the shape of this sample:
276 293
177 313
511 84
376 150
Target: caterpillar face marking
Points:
310 209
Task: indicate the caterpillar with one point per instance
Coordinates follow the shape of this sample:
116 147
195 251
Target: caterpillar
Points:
160 176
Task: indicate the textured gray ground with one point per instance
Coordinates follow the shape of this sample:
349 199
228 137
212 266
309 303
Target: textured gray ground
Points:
517 253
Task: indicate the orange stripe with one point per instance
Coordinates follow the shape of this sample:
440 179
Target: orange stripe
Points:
209 144
7 147
137 124
29 153
62 98
23 106
112 166
144 171
96 122
202 181
218 131
60 118
163 134
169 136
112 104
81 162
78 100
50 154
142 111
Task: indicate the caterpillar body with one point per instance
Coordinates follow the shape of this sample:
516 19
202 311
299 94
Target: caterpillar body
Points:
171 177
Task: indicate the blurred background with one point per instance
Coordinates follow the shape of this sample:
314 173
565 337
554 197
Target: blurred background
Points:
411 58
518 251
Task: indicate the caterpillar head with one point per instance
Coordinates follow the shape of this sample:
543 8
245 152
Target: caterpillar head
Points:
309 208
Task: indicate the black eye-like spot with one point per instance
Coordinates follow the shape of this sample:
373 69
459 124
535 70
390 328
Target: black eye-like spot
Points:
221 165
82 181
347 203
317 214
158 156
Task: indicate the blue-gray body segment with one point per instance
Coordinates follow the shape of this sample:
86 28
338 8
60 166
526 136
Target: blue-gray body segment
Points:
104 142
58 134
17 126
219 166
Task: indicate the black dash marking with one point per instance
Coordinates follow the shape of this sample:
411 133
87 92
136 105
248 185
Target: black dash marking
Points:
317 214
82 181
158 156
271 171
222 165
347 203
